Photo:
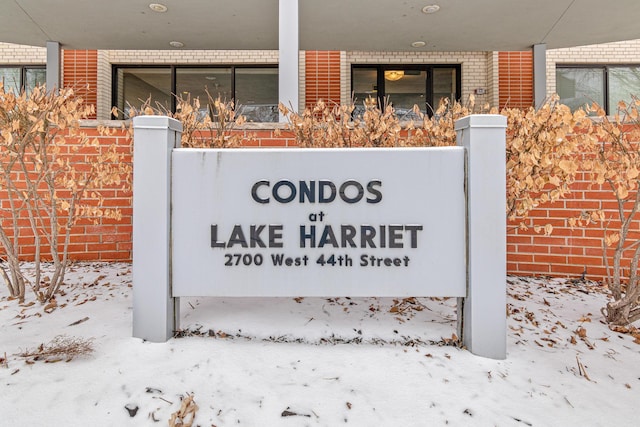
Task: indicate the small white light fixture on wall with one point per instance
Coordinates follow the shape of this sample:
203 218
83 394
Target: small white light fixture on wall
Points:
176 44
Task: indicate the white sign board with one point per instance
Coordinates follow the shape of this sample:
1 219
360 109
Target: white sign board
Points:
318 222
321 222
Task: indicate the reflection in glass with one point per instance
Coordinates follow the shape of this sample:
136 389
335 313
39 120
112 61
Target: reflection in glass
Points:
194 81
35 77
580 86
257 94
137 85
406 92
624 82
10 77
444 85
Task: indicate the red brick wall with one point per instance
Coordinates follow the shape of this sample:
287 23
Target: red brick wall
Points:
322 77
267 138
80 72
566 252
515 79
111 239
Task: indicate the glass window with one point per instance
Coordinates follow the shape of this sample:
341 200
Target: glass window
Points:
404 89
405 86
255 88
580 86
34 77
15 78
196 81
257 93
604 84
444 85
10 77
137 85
365 84
624 82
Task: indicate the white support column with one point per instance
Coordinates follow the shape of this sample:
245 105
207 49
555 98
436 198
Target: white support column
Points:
288 44
483 328
539 74
155 311
54 61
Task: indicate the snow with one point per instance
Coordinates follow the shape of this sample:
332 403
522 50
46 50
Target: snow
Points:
318 361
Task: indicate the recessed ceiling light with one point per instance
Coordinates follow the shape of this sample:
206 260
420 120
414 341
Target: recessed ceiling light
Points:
419 44
176 43
432 8
157 7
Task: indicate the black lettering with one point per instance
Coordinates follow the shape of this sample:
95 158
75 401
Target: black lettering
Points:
276 191
323 197
367 233
277 259
307 191
237 237
328 238
395 236
254 191
275 233
347 233
413 233
375 192
311 236
254 236
359 191
214 238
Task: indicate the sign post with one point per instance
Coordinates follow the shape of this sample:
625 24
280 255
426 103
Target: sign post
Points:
155 310
483 317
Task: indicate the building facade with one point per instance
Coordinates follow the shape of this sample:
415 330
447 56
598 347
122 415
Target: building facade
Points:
605 73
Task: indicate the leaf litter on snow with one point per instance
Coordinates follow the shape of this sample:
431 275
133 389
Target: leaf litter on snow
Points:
255 362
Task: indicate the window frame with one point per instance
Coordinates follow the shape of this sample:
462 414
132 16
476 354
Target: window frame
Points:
605 67
428 68
173 73
23 70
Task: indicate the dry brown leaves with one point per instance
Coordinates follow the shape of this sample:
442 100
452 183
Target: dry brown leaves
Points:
184 416
628 330
51 172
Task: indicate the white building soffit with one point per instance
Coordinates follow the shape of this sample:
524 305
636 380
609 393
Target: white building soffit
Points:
369 25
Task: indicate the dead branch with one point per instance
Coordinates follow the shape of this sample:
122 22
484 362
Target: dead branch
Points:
60 347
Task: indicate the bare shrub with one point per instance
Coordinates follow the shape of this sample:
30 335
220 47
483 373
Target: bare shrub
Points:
51 175
615 163
545 150
209 123
540 143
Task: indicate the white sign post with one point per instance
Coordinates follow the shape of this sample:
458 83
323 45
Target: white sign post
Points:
321 222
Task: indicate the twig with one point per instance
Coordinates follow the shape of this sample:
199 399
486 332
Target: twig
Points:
162 398
581 370
77 322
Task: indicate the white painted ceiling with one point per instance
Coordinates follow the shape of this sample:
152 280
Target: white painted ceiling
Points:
369 25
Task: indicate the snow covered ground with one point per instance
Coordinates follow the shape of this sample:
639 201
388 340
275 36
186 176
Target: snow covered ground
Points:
317 361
